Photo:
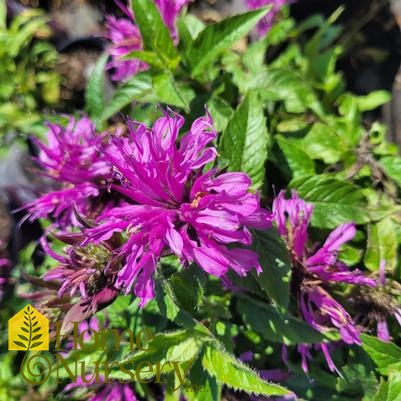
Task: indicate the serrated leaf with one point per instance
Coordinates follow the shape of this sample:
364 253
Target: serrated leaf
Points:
216 38
95 90
235 374
138 88
274 326
276 265
383 354
298 161
245 141
168 91
323 143
36 345
180 346
382 245
392 168
211 389
283 84
155 34
334 201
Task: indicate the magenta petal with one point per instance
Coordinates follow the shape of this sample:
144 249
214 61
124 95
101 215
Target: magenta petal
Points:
211 261
342 234
382 330
175 241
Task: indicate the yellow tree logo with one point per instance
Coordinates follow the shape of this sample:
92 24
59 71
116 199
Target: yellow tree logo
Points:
28 330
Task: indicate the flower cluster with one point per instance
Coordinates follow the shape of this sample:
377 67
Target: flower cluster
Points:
164 201
125 37
314 270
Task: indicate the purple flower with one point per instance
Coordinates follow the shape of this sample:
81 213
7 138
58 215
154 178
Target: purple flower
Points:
293 217
72 158
169 10
113 391
174 207
126 37
267 21
314 269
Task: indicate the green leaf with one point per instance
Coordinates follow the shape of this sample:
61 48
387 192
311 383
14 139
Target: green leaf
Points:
244 142
274 326
220 111
216 38
155 34
170 92
392 168
95 91
298 161
382 245
138 88
22 337
36 344
394 386
148 57
170 306
20 344
189 27
233 373
382 391
211 390
283 84
373 100
180 346
383 354
335 201
323 143
25 34
276 265
391 390
3 14
188 286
